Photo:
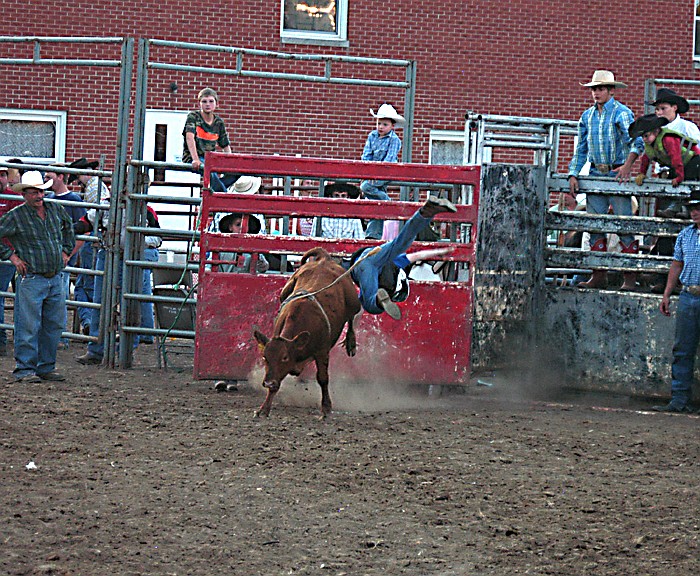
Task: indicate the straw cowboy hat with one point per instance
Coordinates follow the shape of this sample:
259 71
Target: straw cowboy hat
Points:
81 163
32 179
604 78
246 185
388 111
668 96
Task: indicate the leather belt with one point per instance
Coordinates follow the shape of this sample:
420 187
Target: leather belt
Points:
694 290
47 274
605 168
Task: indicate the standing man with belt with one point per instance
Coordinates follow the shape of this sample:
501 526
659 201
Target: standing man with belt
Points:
42 240
603 140
686 267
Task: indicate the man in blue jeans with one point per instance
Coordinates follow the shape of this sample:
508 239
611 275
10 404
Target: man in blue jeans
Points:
7 270
379 274
686 267
42 241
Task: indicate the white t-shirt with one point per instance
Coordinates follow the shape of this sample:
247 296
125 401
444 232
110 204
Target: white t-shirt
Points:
686 127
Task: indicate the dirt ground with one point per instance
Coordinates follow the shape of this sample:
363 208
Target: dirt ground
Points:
150 472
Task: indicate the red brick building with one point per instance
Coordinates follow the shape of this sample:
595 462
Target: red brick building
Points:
524 57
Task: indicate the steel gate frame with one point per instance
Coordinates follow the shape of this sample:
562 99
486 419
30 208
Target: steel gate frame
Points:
419 349
137 193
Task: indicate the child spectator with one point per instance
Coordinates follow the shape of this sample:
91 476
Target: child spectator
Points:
666 146
341 227
670 105
232 224
383 145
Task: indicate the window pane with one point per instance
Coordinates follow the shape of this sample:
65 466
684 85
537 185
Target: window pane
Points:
310 15
27 139
697 37
447 152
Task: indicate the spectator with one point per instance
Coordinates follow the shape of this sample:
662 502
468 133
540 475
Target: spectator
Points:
7 269
379 272
94 191
232 224
205 131
670 105
383 145
603 140
341 227
60 191
667 147
42 240
150 254
686 268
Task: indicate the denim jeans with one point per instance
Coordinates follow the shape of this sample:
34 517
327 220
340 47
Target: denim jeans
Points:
7 271
374 190
366 273
147 321
599 204
217 183
84 283
97 348
684 348
40 315
65 279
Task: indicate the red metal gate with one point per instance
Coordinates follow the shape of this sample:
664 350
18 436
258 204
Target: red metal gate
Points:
431 344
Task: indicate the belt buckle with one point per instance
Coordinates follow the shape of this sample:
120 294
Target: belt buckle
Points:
603 168
694 290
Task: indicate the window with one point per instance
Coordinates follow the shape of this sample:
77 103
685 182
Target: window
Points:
314 22
36 137
696 28
446 147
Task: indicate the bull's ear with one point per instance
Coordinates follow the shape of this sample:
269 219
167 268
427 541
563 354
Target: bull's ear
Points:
301 340
262 340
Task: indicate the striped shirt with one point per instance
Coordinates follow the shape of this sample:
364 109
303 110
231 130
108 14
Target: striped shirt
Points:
38 242
603 137
687 250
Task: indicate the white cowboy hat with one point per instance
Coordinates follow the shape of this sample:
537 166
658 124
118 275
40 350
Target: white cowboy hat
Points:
32 179
604 78
246 185
388 111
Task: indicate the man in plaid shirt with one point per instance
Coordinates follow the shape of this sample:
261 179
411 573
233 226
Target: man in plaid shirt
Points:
42 240
603 140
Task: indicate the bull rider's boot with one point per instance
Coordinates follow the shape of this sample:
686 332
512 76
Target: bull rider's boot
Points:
630 278
434 205
599 278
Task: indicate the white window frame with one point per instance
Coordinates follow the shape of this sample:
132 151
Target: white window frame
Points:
696 24
56 116
338 38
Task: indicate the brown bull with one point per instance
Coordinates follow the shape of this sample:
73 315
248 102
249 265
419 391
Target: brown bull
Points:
311 319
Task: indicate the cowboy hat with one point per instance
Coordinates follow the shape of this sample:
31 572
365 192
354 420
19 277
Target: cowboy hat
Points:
604 78
694 198
645 124
81 163
668 96
32 179
388 111
246 185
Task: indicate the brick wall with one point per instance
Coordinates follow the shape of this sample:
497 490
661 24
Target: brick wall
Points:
523 57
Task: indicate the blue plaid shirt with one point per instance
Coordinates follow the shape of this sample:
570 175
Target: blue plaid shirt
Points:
384 149
687 250
603 137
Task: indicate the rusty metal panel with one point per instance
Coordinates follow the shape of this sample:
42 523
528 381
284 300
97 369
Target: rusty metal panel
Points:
418 349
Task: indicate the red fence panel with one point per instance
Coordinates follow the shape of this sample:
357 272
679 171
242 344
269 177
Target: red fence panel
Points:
431 344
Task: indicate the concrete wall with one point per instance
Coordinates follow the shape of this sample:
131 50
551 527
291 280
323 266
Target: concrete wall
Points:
589 339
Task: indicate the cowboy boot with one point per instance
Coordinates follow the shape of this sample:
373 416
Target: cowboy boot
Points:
434 206
599 278
630 278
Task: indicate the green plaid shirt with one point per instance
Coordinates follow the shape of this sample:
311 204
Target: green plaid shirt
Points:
38 242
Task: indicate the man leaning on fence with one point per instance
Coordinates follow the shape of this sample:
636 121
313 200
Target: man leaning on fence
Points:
42 240
603 140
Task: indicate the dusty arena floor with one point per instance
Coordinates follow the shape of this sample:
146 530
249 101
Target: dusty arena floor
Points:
148 472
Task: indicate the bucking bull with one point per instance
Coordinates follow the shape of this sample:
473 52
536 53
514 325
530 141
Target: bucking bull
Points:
317 302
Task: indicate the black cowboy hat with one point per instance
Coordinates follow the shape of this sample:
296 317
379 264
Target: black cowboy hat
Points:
645 124
353 191
670 97
694 198
81 163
